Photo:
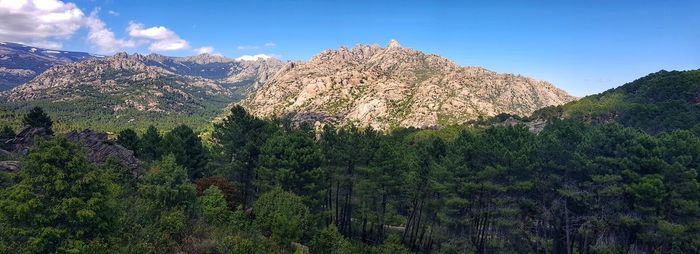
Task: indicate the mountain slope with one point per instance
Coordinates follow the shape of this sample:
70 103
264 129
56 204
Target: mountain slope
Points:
137 90
660 101
20 63
395 86
120 91
228 72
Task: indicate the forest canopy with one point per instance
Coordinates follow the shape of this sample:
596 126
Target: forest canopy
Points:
259 186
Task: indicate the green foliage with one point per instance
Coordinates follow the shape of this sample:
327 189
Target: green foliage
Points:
230 191
90 107
282 215
37 118
60 203
166 185
165 202
289 160
214 208
6 133
661 101
330 241
393 245
188 150
237 245
150 146
574 187
128 139
239 136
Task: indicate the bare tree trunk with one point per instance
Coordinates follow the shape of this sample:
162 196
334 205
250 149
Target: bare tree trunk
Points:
337 204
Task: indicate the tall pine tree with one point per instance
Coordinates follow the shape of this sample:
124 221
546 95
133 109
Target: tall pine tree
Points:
37 118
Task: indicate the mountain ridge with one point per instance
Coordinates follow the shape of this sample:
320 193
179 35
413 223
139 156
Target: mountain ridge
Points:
367 85
20 63
395 87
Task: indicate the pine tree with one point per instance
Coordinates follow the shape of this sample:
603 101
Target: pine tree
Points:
188 150
37 118
61 204
6 133
129 140
214 207
288 160
240 136
166 202
150 147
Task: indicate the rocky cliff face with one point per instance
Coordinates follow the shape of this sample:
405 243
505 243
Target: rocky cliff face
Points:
395 86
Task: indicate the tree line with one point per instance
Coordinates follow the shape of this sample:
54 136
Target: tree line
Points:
259 186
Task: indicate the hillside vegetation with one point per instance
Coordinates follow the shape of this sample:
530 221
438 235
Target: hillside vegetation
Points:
660 101
269 187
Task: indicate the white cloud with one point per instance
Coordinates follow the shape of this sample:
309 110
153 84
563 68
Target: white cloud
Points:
253 57
270 44
204 50
44 23
113 13
102 38
39 21
159 37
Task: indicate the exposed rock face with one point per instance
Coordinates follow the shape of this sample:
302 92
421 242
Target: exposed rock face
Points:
8 166
152 83
535 126
138 86
21 143
395 86
98 149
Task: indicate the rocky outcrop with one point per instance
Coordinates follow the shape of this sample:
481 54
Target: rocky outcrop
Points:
99 149
9 166
396 87
21 143
536 126
151 83
119 83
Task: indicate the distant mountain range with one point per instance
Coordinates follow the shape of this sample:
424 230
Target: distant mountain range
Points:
366 86
147 83
20 63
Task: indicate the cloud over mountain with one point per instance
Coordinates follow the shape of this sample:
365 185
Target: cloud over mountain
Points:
46 23
39 22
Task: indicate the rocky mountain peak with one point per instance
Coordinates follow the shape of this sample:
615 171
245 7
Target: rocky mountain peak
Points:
395 87
121 55
393 44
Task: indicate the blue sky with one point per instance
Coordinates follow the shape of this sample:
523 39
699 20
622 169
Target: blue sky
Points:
584 47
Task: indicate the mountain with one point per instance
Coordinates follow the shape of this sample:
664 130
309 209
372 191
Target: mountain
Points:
661 101
229 72
142 89
395 86
20 63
